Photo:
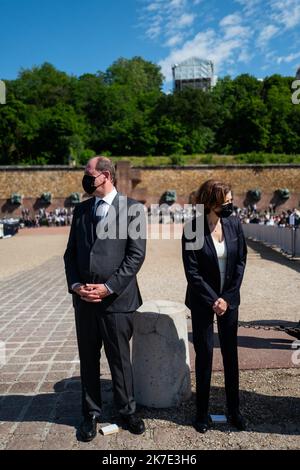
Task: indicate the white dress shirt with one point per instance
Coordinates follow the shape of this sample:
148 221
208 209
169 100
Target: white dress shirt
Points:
108 199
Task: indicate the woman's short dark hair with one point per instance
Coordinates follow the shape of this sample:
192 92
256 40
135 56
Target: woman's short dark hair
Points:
212 193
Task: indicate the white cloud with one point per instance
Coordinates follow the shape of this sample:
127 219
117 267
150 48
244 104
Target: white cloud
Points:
245 33
166 18
177 3
286 12
232 26
153 6
245 56
282 16
267 33
206 45
153 31
174 40
225 45
288 58
237 31
185 20
231 20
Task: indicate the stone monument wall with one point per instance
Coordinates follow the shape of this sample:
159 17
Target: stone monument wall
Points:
146 184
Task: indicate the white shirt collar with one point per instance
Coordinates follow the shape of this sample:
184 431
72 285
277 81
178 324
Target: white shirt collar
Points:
108 198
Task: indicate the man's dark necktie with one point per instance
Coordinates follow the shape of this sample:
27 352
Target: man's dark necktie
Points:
97 218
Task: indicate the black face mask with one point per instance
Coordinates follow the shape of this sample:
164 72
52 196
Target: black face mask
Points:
88 184
226 210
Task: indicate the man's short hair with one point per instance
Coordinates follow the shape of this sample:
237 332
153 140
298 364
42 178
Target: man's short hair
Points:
105 164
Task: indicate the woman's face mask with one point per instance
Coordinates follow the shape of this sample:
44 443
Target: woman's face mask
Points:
226 210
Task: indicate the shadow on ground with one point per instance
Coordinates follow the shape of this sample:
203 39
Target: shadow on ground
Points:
264 413
268 253
254 342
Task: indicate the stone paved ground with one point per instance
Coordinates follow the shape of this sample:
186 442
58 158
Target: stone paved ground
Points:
40 385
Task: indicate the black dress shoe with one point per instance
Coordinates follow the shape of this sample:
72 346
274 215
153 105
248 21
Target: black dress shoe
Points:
202 425
238 421
88 428
134 424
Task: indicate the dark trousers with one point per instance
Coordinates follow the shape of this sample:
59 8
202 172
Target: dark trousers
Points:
203 338
114 331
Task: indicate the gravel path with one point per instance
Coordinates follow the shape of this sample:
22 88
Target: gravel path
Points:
40 385
30 248
270 290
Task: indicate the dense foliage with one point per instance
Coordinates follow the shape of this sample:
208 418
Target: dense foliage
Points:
52 118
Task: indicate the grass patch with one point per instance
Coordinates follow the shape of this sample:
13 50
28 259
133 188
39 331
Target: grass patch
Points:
210 159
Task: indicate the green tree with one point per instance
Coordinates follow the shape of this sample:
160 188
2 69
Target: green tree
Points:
243 122
284 115
43 86
62 134
139 75
52 117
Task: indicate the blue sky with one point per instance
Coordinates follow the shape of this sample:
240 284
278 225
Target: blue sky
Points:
260 37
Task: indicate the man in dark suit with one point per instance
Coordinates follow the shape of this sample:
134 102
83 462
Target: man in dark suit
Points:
106 249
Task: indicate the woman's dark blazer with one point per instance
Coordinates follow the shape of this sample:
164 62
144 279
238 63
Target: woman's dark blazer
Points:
202 269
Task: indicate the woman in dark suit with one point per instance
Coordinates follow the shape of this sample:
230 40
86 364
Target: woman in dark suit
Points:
214 272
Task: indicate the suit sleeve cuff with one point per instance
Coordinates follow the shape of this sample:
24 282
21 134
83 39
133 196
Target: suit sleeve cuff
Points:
108 288
76 284
224 297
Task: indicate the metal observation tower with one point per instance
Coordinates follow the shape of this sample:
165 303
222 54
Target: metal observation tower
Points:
194 73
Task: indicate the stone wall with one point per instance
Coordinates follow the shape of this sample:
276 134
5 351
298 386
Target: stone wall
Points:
147 184
267 178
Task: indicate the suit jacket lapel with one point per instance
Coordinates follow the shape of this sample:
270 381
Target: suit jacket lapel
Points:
226 232
88 220
114 208
209 241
